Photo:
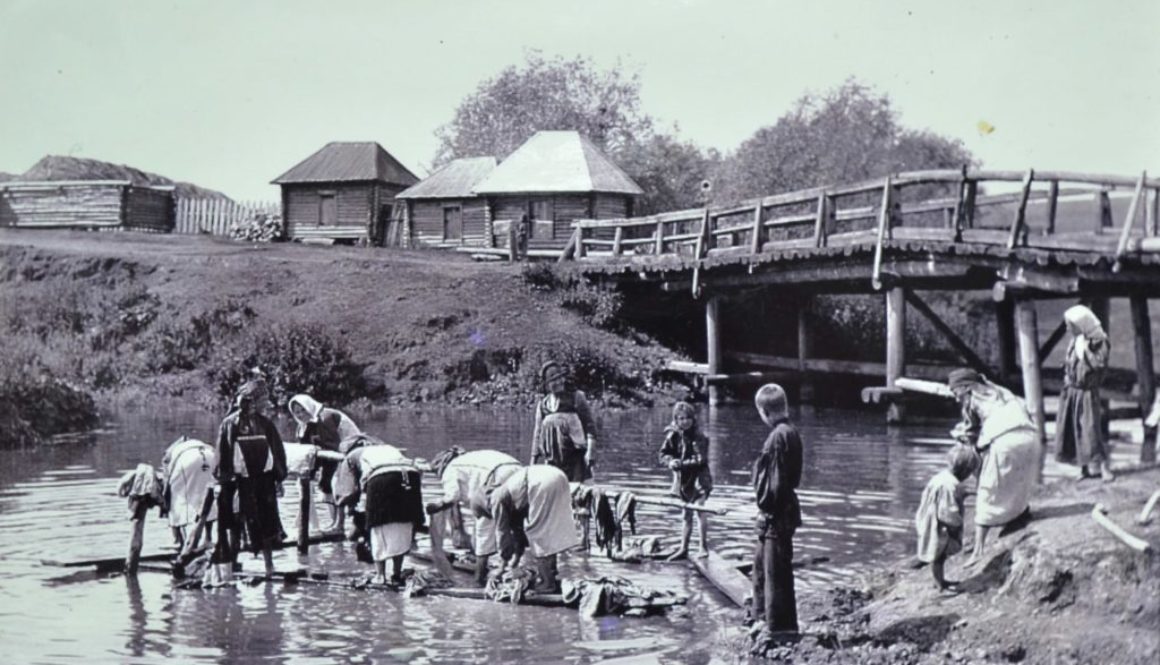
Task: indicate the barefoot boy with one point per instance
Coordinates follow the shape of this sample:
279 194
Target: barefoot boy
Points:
775 476
939 520
686 452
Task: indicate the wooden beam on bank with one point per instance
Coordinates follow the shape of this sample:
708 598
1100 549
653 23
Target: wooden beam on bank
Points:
895 346
1145 379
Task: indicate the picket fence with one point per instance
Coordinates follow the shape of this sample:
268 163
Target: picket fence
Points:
215 216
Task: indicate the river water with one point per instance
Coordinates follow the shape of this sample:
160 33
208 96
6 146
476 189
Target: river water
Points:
860 486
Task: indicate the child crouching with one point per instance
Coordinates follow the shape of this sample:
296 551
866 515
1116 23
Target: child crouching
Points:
686 452
939 520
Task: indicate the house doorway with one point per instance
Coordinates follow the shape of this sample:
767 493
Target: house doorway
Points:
327 210
452 224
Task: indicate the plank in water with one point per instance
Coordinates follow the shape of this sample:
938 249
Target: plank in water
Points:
724 575
115 564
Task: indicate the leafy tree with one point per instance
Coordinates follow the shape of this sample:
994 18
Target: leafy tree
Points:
669 170
848 134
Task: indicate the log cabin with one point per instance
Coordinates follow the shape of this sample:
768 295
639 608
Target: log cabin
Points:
557 177
344 192
443 211
107 205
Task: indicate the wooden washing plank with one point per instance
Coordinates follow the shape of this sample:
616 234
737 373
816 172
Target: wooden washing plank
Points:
724 575
113 564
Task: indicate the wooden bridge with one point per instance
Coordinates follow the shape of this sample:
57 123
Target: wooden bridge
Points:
1050 235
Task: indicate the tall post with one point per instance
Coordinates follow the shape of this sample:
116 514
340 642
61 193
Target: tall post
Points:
713 344
136 538
805 349
304 510
895 346
1005 328
1146 379
1027 326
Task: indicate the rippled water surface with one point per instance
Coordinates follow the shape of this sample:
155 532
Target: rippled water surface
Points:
860 487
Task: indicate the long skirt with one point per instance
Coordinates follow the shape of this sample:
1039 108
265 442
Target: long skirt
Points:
1009 473
1079 436
190 477
549 527
561 434
394 497
258 505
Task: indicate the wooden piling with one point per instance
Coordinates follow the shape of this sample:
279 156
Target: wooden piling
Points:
895 346
136 538
1146 379
1027 326
304 509
1005 324
713 344
805 348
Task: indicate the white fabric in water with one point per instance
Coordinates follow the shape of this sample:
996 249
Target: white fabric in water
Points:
390 540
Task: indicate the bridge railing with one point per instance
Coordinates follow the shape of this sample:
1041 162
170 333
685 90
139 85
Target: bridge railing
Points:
1072 211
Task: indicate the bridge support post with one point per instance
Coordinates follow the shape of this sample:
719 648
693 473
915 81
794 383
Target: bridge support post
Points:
1102 308
895 346
1027 325
1005 327
1146 380
805 349
713 345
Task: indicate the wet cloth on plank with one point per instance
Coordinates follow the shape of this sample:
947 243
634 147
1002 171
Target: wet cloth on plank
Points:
939 519
187 468
616 596
143 489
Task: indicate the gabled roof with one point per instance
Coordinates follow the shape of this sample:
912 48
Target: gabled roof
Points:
557 161
456 179
340 161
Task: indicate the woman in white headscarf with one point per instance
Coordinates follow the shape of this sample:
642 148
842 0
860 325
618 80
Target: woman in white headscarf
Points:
1079 436
326 428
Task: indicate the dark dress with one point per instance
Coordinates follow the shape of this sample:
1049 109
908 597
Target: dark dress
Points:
256 486
328 432
563 423
1079 437
692 481
773 585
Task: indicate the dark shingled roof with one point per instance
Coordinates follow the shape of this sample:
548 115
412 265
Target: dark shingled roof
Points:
453 180
349 162
558 161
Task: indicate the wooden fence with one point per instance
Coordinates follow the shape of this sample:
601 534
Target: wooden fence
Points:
216 216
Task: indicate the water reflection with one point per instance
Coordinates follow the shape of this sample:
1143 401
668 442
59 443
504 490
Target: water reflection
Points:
861 483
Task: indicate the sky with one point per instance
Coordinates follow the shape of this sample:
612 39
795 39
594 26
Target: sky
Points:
229 95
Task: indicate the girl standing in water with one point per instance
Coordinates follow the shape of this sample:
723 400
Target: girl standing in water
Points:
686 452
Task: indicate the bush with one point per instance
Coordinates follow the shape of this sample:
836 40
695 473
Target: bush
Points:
599 304
184 345
34 404
294 359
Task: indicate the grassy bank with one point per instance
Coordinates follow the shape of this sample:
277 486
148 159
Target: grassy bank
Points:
126 317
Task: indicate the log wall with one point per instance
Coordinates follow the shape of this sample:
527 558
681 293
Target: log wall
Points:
427 220
90 205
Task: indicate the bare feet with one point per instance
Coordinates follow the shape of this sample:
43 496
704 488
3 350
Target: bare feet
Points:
1108 476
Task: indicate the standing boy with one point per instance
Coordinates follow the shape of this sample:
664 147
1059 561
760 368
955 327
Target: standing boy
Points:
776 475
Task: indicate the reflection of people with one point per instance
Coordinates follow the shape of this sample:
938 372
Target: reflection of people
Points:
462 476
776 474
996 421
187 468
326 428
564 434
389 485
531 509
686 452
251 465
939 519
1079 436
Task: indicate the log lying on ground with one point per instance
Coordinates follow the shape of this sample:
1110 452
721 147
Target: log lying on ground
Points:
1099 514
724 575
1146 514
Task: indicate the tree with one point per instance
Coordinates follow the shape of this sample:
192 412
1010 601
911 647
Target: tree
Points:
545 94
848 134
669 170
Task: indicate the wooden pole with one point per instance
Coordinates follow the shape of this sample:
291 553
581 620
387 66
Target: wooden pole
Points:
190 549
136 538
1099 514
617 239
304 509
1146 379
883 232
660 246
1027 325
1129 221
1019 223
1052 205
713 344
805 347
1005 326
895 346
755 240
1152 225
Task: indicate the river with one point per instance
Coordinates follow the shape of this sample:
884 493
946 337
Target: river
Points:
860 486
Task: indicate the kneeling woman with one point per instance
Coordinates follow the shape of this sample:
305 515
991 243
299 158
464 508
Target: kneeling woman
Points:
388 485
531 509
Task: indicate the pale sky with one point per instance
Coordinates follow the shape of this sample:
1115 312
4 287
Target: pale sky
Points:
228 95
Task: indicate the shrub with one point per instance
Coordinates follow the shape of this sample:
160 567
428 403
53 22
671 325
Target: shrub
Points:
294 359
599 304
35 404
184 345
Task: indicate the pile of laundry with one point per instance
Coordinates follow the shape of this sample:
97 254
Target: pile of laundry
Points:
618 596
613 512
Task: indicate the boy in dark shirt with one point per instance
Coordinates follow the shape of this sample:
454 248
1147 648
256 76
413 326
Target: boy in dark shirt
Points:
776 475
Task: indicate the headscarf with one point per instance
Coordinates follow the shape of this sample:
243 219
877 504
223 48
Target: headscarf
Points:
1086 322
439 464
310 405
551 370
963 378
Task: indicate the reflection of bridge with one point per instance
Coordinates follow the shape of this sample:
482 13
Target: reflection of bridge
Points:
1056 236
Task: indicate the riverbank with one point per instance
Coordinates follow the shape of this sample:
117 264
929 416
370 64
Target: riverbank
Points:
128 317
1059 590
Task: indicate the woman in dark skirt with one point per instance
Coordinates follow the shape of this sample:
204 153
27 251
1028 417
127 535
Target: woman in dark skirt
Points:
565 433
391 508
1079 435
